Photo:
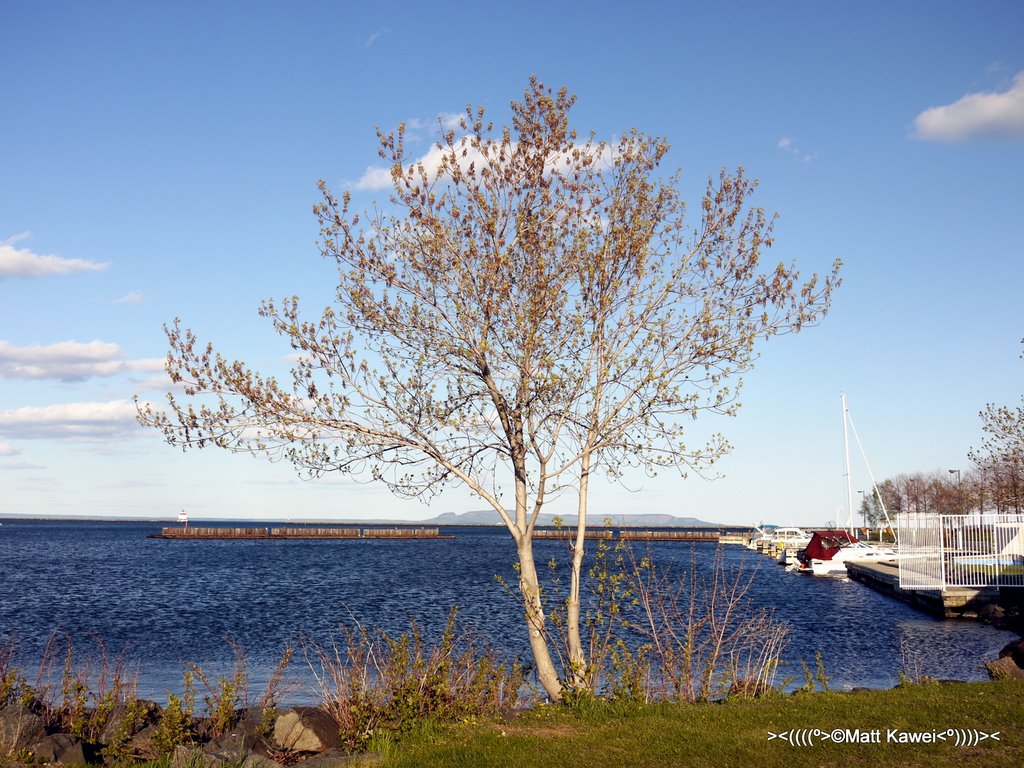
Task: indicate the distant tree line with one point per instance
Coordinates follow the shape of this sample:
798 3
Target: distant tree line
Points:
994 483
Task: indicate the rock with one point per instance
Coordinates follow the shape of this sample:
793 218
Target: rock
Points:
20 728
205 757
186 756
126 720
62 748
238 743
992 612
306 729
250 731
142 744
1004 668
1015 651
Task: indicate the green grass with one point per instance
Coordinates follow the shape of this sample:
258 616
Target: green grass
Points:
737 733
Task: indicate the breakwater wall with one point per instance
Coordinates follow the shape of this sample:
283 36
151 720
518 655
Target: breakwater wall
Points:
632 534
297 532
294 532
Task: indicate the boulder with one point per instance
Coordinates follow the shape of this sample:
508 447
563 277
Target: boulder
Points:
250 731
142 744
206 757
128 719
1004 668
306 729
60 748
992 612
1015 651
238 743
20 728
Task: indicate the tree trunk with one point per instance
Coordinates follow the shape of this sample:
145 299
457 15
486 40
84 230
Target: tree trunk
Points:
530 588
577 657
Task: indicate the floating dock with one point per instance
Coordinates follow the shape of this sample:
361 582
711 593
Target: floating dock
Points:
296 532
734 538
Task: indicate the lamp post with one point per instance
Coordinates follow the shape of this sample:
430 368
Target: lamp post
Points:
959 490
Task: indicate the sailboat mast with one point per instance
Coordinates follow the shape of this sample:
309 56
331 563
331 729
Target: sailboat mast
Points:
849 479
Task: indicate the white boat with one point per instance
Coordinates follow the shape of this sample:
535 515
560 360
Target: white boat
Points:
853 552
760 536
791 537
785 542
829 551
183 518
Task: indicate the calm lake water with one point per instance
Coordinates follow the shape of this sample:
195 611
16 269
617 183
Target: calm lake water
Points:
168 602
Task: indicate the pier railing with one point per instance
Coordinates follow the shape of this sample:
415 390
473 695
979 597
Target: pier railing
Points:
939 551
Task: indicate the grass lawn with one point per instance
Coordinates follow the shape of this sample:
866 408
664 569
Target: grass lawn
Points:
738 733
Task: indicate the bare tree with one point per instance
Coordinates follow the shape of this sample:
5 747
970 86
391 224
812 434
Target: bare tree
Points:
1000 459
534 311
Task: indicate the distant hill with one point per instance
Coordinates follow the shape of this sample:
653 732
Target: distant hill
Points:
490 517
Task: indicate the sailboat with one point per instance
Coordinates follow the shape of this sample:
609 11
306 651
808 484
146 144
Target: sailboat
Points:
830 550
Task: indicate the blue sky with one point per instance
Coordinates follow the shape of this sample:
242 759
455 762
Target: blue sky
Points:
159 160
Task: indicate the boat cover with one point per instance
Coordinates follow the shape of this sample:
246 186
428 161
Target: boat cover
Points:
824 544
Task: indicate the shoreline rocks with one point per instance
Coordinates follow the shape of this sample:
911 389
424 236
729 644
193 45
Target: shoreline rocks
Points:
131 732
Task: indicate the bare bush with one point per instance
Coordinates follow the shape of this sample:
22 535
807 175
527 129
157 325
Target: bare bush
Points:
372 683
702 633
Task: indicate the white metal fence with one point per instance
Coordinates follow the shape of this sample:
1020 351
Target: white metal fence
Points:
939 551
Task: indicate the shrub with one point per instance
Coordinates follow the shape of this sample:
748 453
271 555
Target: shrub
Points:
374 685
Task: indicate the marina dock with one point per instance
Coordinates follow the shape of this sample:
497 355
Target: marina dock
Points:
949 603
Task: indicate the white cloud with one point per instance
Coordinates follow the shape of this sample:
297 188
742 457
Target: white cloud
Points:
6 449
159 383
380 178
21 262
375 36
451 120
374 178
81 421
69 361
134 297
786 144
976 114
